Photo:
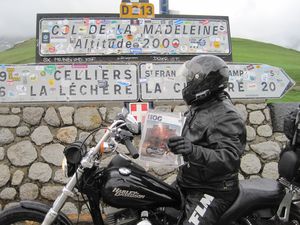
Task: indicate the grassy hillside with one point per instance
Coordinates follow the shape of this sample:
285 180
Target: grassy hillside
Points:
243 51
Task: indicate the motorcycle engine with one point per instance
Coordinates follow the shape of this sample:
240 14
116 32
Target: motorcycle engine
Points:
114 216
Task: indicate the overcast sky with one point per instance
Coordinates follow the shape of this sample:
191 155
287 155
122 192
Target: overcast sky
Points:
272 21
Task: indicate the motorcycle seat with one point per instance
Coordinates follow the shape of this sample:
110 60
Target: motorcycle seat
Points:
253 194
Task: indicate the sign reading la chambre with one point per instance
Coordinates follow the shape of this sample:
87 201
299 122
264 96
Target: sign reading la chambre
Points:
99 35
42 83
246 81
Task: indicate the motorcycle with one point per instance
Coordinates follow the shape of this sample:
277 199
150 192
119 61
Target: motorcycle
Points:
123 193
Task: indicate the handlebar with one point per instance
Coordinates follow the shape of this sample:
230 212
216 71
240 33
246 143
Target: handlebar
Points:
134 153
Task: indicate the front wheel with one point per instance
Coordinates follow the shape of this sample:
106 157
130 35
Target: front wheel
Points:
19 215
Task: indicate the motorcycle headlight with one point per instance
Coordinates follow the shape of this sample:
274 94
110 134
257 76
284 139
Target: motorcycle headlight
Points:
73 154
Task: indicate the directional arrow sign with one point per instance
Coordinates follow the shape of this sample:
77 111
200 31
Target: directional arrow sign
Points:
246 81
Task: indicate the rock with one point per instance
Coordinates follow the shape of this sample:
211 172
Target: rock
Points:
171 179
22 153
6 136
83 136
4 175
69 208
250 164
241 177
264 131
4 110
87 118
51 117
181 108
41 135
8 193
60 177
11 204
242 111
15 110
33 115
51 192
163 108
251 134
256 106
99 135
53 154
67 134
66 114
23 131
9 120
254 177
17 178
103 111
270 170
112 113
40 171
267 114
29 191
107 160
281 137
161 171
84 209
2 153
256 117
267 150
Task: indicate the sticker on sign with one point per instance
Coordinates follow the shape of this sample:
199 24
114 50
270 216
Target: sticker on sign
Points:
161 81
40 83
100 36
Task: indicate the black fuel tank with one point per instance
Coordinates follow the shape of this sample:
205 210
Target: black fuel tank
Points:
128 185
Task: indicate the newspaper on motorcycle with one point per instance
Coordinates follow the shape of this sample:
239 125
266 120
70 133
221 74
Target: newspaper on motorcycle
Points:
157 129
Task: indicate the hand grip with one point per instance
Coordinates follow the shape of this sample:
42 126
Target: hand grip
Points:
134 153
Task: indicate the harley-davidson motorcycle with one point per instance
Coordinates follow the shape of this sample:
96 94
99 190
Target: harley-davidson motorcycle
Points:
123 193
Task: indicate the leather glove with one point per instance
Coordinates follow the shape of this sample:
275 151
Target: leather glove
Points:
180 145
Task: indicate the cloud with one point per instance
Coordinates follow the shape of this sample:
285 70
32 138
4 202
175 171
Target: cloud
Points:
269 21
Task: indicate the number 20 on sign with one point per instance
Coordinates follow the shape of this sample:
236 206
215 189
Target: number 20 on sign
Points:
136 10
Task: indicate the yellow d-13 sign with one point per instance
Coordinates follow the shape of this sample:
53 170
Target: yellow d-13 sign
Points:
136 10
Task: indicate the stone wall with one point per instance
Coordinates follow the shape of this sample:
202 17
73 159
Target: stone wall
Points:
32 139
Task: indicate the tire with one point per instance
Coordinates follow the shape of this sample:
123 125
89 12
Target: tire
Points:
16 215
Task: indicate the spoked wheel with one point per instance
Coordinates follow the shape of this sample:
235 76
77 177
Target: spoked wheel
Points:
20 216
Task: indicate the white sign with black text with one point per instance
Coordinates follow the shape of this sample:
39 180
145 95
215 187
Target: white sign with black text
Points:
39 83
161 81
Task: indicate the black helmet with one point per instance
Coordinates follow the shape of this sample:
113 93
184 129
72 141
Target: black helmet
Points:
204 75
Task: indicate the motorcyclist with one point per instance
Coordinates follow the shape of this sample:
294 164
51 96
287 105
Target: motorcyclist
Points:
212 142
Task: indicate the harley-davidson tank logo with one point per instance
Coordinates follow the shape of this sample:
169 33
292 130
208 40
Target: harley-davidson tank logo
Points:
125 193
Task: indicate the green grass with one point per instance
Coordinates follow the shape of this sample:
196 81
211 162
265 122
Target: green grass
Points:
244 50
19 54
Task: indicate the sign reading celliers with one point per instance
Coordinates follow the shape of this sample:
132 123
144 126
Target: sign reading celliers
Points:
136 9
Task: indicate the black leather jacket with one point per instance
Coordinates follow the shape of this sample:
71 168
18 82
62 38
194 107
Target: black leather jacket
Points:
218 134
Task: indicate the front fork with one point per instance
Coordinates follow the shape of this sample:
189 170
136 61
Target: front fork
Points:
60 200
86 162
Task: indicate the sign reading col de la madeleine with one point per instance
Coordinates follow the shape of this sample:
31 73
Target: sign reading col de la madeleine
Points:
78 35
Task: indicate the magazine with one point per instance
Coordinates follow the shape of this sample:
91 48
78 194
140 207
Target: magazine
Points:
157 129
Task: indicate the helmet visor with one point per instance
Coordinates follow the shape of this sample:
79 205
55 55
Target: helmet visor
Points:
184 73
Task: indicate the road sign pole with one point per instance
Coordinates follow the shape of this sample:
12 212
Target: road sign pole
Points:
164 6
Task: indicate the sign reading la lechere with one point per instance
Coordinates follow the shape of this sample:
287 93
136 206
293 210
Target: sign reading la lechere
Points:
124 82
26 83
78 36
